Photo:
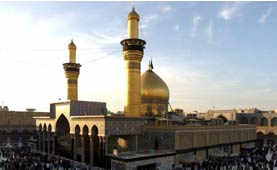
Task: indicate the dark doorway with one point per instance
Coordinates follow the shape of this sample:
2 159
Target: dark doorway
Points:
63 137
147 167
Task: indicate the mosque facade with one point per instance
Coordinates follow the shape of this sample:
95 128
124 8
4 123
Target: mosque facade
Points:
144 138
265 121
18 126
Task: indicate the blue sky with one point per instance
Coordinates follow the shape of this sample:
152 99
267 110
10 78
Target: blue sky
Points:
211 54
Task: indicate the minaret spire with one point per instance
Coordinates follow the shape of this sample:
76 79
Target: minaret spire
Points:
72 52
72 70
133 20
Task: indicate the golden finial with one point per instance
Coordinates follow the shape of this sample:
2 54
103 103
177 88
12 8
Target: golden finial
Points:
133 14
151 67
71 44
133 5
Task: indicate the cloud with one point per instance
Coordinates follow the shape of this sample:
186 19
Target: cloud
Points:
108 39
264 17
195 22
177 27
230 11
210 32
166 8
151 17
148 19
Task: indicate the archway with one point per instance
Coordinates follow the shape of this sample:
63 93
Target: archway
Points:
39 137
223 118
95 146
156 142
63 137
76 148
260 138
264 122
149 111
44 138
160 110
49 131
49 128
86 144
270 138
40 127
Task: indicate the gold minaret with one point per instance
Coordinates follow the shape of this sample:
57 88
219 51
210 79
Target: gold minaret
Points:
133 53
72 70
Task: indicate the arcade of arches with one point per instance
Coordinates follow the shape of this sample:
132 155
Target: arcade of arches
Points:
86 138
17 126
266 129
84 147
266 123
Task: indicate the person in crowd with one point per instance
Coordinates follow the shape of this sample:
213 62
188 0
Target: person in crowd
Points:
22 158
264 157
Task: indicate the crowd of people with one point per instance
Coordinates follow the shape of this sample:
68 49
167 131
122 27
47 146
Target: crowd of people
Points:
22 158
260 158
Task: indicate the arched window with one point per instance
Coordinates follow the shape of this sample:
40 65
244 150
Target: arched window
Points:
274 121
253 120
244 120
161 110
264 122
149 111
8 122
156 141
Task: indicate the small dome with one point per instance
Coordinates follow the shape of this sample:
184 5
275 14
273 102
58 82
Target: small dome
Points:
133 14
153 88
71 44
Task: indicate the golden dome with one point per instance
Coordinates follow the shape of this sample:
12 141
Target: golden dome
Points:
71 45
133 14
153 87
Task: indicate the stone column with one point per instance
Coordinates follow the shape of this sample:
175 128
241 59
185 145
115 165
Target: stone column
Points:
106 144
100 148
105 150
220 136
92 149
136 136
72 145
54 144
83 156
75 147
39 140
43 141
49 142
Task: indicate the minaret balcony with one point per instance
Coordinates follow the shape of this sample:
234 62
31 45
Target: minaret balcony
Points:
133 44
72 67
